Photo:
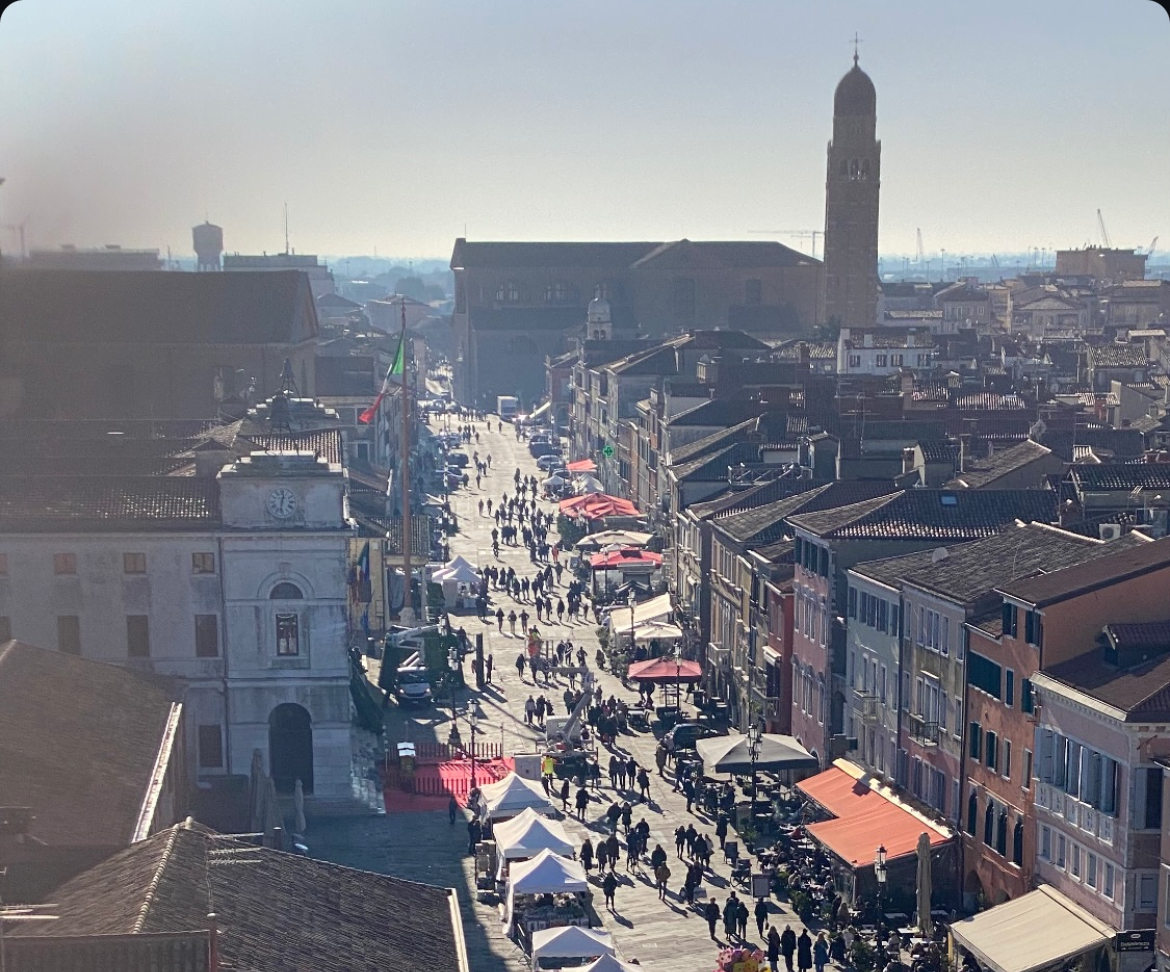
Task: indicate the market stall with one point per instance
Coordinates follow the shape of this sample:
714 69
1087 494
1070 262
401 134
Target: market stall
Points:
570 942
526 835
548 891
610 963
460 582
510 797
617 565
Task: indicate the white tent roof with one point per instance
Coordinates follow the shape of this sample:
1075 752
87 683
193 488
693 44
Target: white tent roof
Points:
664 630
588 483
529 833
554 480
570 941
461 574
1033 931
622 538
511 795
547 873
607 963
655 609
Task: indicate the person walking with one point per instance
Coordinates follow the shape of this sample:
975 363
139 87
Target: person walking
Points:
587 856
611 842
773 949
741 920
529 710
721 830
660 758
602 856
565 795
512 622
489 662
474 833
680 839
500 625
452 811
788 946
711 913
582 801
688 788
609 886
661 876
644 784
613 814
692 836
821 952
761 911
804 959
627 816
730 916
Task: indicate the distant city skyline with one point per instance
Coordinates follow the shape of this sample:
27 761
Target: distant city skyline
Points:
400 126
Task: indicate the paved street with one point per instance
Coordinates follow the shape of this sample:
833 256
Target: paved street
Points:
662 935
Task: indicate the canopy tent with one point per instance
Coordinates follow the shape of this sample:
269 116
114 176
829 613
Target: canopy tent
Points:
657 631
655 609
625 557
595 506
570 941
459 574
546 873
527 834
665 670
607 538
588 484
864 818
732 754
582 466
608 963
555 480
512 795
1035 931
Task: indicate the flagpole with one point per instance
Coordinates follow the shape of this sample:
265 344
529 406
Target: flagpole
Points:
407 615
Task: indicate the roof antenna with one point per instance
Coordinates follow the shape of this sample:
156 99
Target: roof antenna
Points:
286 229
856 41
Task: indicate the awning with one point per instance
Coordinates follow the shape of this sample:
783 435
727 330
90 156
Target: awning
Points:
1037 930
665 670
864 818
626 557
732 754
657 631
582 465
570 941
538 412
655 609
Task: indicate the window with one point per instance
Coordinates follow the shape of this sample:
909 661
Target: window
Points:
210 747
1010 620
1148 891
203 563
287 635
1033 629
137 636
1153 814
1007 759
854 361
752 292
1026 782
1091 870
1001 833
560 292
1009 688
1026 702
1108 889
1061 845
508 293
881 360
285 591
984 674
972 813
975 741
133 563
69 634
5 629
989 824
1046 843
65 563
1076 860
206 636
991 751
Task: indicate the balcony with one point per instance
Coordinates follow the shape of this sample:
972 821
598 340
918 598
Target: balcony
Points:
923 732
866 706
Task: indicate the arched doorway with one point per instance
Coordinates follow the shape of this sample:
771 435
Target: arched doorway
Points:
973 894
290 747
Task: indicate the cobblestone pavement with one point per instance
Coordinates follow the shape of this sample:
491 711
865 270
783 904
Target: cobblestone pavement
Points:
662 935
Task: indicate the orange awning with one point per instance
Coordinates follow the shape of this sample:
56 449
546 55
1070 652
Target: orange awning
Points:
864 819
582 465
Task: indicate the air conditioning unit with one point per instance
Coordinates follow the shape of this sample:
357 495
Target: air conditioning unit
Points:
1109 531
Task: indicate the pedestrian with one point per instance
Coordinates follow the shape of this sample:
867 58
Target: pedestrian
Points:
631 770
761 915
452 810
689 792
609 886
804 959
661 876
474 833
613 814
711 913
644 784
615 767
582 800
788 946
627 815
680 839
730 916
773 949
587 854
512 622
602 856
565 795
660 758
529 710
741 920
721 830
500 624
821 953
489 661
692 837
837 950
611 842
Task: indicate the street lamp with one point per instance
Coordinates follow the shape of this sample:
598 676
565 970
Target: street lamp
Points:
631 600
453 665
879 871
753 735
473 724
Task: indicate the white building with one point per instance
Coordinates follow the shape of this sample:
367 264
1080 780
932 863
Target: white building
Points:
236 584
883 350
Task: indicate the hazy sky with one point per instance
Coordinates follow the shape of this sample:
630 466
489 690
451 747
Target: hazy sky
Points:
394 124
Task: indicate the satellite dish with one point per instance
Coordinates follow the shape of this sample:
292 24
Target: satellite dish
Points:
939 555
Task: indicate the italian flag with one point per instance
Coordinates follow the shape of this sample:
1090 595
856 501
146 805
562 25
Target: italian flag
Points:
395 369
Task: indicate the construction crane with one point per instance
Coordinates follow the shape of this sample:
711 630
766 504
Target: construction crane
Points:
802 234
1150 249
918 255
995 261
1104 232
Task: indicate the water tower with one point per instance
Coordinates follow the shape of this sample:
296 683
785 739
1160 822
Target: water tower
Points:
208 246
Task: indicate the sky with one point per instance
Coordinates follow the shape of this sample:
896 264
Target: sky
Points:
396 126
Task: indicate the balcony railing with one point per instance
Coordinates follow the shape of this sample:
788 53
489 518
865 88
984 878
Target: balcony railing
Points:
922 731
866 706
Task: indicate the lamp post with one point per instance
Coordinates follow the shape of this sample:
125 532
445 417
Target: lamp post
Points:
678 677
473 725
754 750
631 600
879 872
453 665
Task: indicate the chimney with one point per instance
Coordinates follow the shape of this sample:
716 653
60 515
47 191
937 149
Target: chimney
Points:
805 358
212 944
964 450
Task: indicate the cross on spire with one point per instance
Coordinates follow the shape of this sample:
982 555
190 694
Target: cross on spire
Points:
856 41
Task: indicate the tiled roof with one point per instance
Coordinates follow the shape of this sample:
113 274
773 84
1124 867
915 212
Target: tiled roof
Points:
1120 477
980 473
988 401
768 524
1139 636
472 255
145 307
78 743
939 450
732 254
888 337
928 514
1142 692
275 912
1123 443
734 501
1060 585
69 503
1117 356
817 351
326 443
722 412
709 443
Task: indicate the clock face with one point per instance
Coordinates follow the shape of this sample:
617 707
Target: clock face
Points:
282 503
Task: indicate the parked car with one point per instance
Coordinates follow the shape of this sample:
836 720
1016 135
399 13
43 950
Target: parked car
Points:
459 459
686 734
414 687
550 462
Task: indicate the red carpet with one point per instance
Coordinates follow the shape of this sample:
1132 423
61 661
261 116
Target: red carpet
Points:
435 784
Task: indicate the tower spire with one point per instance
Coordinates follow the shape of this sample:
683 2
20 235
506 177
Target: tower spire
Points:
856 41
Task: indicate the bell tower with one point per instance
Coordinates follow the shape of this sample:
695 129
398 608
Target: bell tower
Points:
851 204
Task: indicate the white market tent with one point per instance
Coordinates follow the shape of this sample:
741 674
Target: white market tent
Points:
554 480
528 833
608 963
657 630
619 538
588 483
654 609
511 796
570 941
1034 931
459 570
546 873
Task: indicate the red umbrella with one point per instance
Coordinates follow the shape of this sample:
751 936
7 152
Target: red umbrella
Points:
665 670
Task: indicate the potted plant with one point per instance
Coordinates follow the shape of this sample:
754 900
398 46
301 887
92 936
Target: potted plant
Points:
749 835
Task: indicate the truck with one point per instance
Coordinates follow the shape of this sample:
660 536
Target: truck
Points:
507 406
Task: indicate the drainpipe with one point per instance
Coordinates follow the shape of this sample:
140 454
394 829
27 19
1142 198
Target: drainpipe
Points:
223 642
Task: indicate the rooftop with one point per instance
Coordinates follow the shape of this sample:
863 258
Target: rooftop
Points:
1060 585
51 504
1142 692
768 524
980 473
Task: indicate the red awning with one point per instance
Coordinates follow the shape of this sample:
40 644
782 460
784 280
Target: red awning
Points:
582 465
864 820
665 670
626 557
595 506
